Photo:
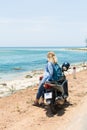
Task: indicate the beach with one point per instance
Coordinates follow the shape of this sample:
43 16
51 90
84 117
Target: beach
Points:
18 113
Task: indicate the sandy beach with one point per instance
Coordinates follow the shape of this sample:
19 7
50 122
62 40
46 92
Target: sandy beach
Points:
17 112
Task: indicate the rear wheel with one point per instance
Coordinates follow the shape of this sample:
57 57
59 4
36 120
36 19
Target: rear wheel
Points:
53 108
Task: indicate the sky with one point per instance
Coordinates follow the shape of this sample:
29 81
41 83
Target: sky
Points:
43 23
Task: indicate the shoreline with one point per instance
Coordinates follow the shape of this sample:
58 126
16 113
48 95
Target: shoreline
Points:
30 79
13 76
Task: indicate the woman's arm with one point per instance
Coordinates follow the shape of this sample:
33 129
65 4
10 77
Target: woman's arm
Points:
50 70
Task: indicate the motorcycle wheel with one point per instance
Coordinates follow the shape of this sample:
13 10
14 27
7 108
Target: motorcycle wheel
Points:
53 108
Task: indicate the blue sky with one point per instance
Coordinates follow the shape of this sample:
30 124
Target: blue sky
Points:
43 22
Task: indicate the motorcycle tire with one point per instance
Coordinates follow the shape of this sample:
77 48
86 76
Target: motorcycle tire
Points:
53 108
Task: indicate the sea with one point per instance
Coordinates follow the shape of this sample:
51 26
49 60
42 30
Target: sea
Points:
14 61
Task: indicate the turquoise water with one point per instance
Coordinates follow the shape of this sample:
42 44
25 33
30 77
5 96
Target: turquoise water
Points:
14 61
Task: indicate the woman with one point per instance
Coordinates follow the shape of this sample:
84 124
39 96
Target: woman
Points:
49 75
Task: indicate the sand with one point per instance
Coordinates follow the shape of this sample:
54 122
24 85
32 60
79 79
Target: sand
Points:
18 113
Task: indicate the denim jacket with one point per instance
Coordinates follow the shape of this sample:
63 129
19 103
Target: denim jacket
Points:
49 73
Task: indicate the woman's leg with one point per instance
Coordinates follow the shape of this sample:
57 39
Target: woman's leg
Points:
40 91
39 94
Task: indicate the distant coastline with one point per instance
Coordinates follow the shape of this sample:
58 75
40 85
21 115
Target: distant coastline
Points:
44 47
78 49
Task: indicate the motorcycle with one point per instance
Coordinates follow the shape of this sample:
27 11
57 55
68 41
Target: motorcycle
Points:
56 92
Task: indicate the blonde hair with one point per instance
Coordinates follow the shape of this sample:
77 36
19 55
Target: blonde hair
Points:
52 57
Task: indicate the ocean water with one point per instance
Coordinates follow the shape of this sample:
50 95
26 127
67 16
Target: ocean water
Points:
16 60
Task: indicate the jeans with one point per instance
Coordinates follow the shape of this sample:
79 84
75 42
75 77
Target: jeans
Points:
40 91
41 88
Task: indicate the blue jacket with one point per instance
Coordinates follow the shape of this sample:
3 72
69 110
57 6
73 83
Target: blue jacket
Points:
52 72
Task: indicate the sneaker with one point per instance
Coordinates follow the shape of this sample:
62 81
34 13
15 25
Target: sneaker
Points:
42 104
36 104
